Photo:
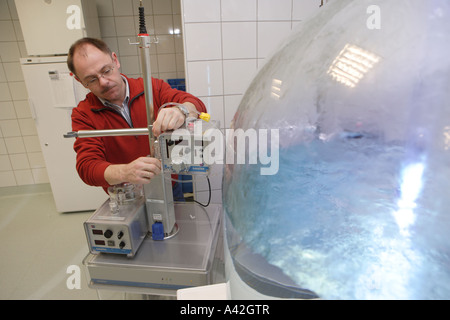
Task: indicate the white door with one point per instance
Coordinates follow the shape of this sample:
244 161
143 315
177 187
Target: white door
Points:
52 98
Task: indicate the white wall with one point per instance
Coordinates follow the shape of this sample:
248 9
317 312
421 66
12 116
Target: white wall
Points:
21 160
227 41
225 44
119 22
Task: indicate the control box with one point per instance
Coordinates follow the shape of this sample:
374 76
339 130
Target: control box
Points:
183 151
119 231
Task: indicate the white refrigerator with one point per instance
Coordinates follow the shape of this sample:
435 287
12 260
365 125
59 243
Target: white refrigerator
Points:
49 27
53 92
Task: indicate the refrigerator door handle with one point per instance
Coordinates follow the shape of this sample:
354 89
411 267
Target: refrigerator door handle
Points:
32 109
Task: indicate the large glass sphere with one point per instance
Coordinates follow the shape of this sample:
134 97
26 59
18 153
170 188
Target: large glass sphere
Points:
359 207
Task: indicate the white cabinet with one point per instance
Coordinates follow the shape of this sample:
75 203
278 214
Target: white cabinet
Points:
50 26
53 93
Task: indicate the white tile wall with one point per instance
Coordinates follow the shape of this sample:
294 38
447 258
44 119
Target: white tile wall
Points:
205 78
21 159
119 22
201 10
269 10
303 9
203 41
239 40
226 42
237 75
239 10
270 34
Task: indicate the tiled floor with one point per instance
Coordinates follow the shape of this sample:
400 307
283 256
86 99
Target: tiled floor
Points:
38 245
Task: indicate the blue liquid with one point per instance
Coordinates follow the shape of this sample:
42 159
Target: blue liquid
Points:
351 218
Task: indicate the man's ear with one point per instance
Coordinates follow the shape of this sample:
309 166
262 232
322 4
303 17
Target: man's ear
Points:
115 59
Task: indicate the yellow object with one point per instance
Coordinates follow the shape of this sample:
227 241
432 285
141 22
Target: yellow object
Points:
204 116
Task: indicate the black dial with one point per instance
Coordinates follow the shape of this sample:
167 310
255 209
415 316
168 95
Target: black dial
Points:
108 234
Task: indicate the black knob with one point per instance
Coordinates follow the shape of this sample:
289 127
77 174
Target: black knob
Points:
120 235
108 234
122 245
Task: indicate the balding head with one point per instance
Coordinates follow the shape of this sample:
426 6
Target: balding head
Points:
79 47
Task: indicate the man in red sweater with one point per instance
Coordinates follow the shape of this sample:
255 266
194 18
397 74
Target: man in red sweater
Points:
117 102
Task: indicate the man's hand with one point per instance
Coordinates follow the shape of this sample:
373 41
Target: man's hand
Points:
172 118
168 119
140 171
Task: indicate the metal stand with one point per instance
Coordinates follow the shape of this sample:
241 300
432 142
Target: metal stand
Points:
189 233
163 267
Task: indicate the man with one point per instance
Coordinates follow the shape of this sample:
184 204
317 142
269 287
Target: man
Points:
117 102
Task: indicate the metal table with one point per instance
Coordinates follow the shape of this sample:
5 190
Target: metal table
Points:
163 267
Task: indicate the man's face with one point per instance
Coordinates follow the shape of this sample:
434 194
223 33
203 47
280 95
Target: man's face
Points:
99 72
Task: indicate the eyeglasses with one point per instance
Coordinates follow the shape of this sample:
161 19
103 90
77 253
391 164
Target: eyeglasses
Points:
95 80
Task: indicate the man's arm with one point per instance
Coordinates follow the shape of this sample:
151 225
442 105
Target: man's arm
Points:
143 169
93 166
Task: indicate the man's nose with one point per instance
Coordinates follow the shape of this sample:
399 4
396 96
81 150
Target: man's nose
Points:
103 82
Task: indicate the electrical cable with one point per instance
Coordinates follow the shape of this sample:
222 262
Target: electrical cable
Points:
210 192
142 27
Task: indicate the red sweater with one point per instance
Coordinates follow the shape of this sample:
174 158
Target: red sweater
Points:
94 155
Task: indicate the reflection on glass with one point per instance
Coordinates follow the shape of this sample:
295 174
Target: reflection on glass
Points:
359 206
276 88
351 65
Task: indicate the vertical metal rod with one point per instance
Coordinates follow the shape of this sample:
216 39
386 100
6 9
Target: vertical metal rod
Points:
144 48
158 193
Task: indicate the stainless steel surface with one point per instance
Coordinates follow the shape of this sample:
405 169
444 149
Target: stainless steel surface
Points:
160 204
183 261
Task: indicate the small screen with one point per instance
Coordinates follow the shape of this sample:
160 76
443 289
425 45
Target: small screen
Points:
95 231
99 242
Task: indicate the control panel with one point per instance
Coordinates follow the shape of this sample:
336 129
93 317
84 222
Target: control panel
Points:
184 151
108 238
119 231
